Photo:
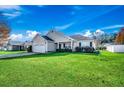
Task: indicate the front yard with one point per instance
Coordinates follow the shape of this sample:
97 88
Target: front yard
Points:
63 69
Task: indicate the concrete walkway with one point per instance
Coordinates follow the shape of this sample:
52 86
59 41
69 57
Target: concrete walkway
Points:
15 55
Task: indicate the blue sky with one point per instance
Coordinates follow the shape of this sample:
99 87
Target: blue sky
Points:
68 19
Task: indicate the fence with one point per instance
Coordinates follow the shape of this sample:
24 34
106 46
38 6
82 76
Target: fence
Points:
115 48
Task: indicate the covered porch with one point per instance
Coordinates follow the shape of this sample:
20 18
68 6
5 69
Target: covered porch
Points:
64 45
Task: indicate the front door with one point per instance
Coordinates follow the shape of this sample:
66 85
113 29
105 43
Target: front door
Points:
59 46
90 44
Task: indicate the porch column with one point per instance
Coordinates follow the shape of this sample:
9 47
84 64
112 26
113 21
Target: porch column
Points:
58 45
71 44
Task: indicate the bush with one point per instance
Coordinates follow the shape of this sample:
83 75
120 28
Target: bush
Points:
64 50
97 52
68 50
29 49
88 49
101 48
78 49
85 49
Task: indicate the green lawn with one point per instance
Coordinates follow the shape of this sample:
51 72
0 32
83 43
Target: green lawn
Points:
63 69
10 52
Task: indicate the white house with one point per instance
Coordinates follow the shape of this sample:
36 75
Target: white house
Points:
14 45
57 40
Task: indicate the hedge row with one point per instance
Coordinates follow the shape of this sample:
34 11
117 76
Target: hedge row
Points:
85 49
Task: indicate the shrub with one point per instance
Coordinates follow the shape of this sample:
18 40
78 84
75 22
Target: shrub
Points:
68 50
97 52
78 49
101 48
88 49
85 49
64 50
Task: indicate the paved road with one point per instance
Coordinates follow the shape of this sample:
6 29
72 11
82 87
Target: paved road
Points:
15 55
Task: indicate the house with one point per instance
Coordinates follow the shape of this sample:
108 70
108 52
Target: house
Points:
57 40
14 45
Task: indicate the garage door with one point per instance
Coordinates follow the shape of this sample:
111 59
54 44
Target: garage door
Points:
39 49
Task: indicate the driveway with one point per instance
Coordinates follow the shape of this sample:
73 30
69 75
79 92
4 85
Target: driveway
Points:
15 55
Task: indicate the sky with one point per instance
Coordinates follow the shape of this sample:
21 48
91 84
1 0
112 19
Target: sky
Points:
26 21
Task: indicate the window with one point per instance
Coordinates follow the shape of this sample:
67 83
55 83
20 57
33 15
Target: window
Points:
90 44
79 44
59 46
64 45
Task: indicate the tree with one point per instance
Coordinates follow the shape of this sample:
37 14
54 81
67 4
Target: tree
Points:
120 37
4 30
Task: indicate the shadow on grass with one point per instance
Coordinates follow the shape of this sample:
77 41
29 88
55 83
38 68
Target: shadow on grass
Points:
53 54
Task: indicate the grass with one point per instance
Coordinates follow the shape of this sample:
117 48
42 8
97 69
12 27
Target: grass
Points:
10 52
64 69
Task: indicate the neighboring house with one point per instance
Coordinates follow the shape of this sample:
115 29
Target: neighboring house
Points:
57 40
14 45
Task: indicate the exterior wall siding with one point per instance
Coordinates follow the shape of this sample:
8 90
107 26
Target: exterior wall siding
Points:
83 43
38 42
51 46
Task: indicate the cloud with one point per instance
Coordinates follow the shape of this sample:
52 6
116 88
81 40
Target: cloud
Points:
88 33
30 34
11 11
16 37
78 33
112 27
20 37
63 27
99 32
10 7
12 15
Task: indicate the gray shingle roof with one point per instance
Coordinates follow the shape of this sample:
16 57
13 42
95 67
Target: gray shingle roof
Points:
15 42
47 38
80 37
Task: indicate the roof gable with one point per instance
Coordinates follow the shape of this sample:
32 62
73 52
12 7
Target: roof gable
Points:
58 36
